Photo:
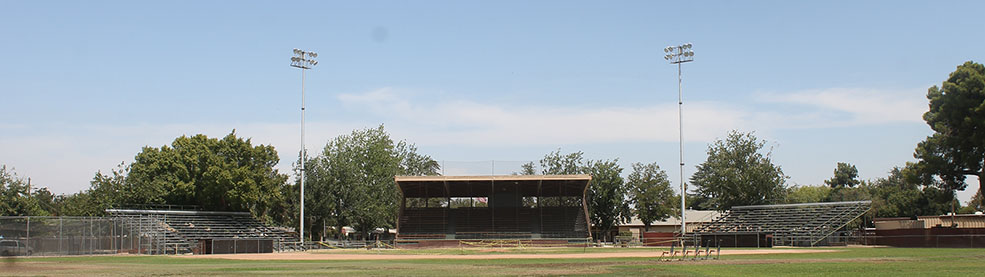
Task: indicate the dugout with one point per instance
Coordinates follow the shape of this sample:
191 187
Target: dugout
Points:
528 209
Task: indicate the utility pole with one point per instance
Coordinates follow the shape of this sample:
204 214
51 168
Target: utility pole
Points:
679 55
303 60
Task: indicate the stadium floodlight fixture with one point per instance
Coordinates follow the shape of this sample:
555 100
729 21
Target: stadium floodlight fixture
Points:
303 60
678 55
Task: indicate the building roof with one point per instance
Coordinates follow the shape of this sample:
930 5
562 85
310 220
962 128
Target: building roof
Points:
693 216
922 217
484 186
583 177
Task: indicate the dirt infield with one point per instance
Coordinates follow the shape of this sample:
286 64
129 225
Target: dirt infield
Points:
374 256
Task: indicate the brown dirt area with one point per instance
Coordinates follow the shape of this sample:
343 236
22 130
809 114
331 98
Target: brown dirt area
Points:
15 266
370 256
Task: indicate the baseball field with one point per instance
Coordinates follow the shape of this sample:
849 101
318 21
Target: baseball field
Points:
521 261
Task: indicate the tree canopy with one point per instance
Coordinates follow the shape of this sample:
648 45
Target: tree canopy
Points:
736 173
606 195
906 193
845 175
15 195
807 194
350 183
650 193
228 174
957 116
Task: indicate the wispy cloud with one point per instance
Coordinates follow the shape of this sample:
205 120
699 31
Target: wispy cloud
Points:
852 107
472 123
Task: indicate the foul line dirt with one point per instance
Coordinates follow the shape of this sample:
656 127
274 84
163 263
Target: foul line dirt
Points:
371 256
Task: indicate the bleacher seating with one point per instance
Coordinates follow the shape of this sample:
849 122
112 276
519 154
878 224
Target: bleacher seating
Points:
806 224
183 229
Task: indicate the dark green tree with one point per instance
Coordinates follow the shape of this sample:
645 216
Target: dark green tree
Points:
650 193
736 173
351 181
606 197
15 196
905 193
845 175
228 174
957 116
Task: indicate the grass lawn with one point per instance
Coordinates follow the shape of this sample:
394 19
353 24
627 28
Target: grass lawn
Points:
850 261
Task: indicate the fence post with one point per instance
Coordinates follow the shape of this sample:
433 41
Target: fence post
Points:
28 230
61 237
140 226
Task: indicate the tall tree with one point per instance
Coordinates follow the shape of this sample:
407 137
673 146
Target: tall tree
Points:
351 181
650 193
606 196
957 116
736 173
15 195
228 174
845 175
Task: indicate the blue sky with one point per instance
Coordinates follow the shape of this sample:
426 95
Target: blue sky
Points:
85 84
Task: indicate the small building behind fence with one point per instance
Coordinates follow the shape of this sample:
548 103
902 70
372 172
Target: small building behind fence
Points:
962 231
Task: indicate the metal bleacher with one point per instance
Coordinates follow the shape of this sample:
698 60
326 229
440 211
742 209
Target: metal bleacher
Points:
805 224
181 231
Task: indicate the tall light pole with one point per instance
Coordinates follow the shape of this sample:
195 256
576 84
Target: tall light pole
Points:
303 60
678 55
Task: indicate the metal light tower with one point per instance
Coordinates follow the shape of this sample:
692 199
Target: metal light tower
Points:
678 55
303 60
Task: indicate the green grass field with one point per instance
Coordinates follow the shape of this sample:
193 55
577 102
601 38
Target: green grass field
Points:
849 261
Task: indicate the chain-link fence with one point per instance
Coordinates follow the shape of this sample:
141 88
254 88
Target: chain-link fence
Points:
452 168
45 235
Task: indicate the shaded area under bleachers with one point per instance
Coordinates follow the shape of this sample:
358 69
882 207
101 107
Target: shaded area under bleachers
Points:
492 208
494 223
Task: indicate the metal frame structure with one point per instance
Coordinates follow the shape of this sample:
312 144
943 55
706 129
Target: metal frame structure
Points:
185 231
77 235
144 232
806 224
